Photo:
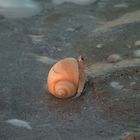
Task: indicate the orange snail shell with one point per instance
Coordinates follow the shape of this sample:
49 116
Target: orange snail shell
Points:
63 78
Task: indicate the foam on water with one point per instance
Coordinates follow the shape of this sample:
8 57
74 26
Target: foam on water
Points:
18 8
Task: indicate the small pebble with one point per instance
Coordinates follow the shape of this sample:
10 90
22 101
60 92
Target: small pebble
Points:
116 85
129 46
99 46
70 29
58 49
45 60
85 108
132 83
121 5
130 77
136 53
19 123
137 43
113 58
36 38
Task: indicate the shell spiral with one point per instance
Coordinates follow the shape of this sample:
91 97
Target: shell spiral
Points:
63 78
64 89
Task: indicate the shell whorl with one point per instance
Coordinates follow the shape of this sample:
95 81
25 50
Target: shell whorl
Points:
64 89
63 78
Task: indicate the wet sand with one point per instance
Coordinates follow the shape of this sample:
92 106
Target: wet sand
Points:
30 45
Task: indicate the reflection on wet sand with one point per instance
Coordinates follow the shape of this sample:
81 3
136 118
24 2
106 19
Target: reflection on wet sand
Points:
66 105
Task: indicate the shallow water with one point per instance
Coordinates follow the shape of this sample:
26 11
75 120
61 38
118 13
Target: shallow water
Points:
51 31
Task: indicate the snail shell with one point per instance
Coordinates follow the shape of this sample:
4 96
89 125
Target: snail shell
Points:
63 78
